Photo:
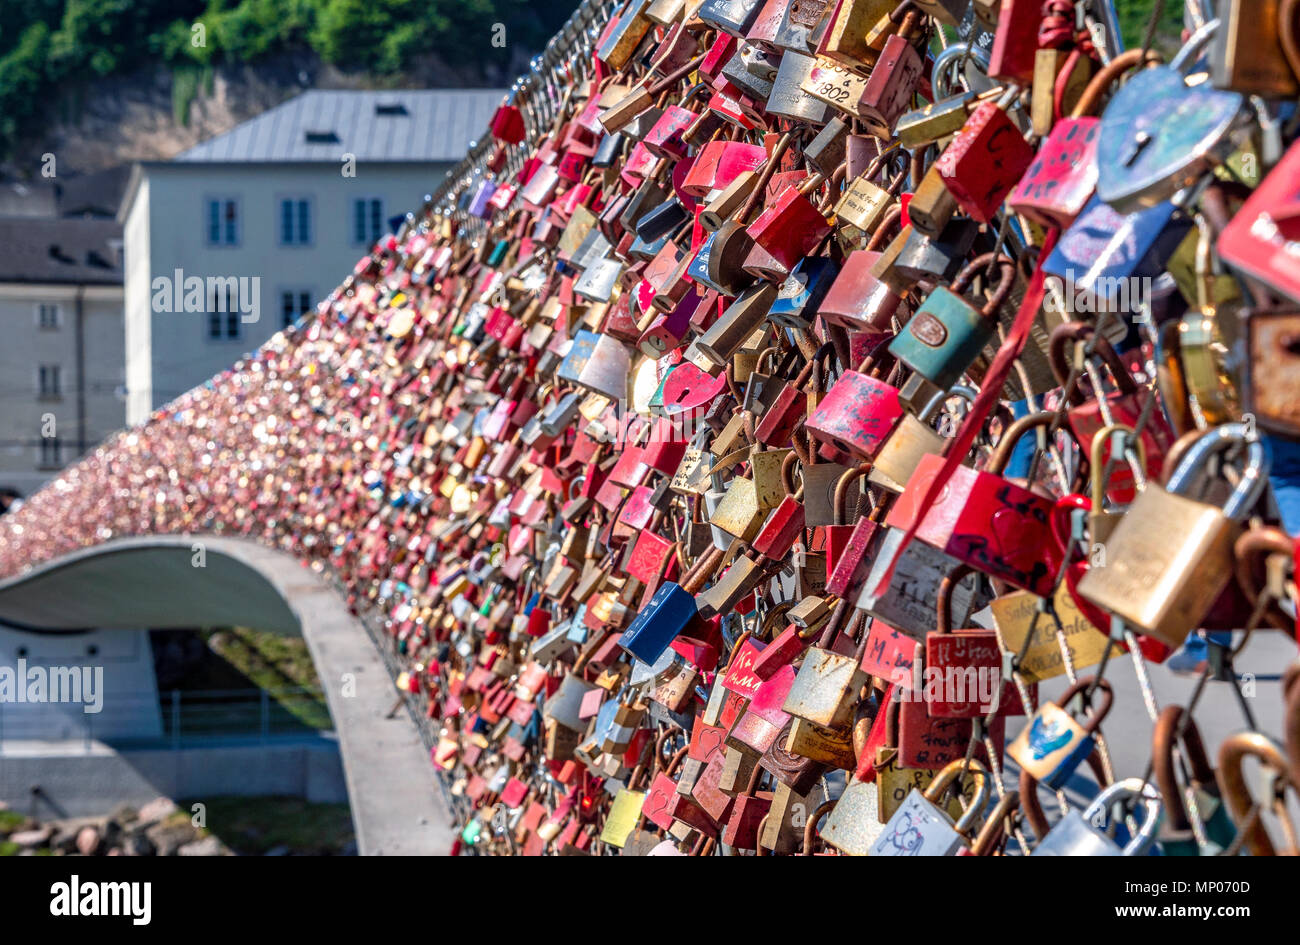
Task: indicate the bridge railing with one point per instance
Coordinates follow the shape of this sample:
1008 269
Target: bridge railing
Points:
183 718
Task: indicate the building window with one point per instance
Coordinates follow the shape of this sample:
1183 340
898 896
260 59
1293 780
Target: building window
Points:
48 382
293 302
367 220
224 322
223 221
51 452
295 222
48 316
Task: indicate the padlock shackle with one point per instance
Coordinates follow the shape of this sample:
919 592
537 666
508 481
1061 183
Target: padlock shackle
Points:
891 216
1262 543
949 773
1007 442
1151 803
1097 459
993 834
832 628
1006 281
1254 474
943 596
1094 718
1106 76
1236 792
1060 349
827 350
810 827
1164 740
935 404
846 479
1033 808
788 474
1191 50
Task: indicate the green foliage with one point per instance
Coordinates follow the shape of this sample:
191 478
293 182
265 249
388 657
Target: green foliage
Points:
48 45
1135 15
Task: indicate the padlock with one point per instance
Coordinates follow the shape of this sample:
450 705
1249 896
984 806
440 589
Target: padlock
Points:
1088 416
857 414
1079 834
792 227
992 523
825 690
1257 240
799 300
1236 794
865 203
1159 134
854 824
1247 56
788 408
921 828
856 32
735 17
985 161
802 25
1176 731
914 438
1063 175
857 299
1170 557
908 603
1052 744
788 99
966 665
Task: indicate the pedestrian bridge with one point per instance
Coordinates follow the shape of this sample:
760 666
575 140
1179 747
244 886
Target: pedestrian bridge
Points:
180 581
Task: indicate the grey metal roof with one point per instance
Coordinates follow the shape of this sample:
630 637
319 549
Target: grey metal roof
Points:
437 127
68 251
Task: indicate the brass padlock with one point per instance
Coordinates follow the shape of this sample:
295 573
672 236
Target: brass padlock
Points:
1170 556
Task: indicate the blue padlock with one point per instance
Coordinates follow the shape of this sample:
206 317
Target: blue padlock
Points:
670 611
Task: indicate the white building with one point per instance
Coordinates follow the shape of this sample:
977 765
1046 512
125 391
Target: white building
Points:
62 356
269 218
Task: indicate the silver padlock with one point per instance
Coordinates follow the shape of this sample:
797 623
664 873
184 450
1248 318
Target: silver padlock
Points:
1083 834
920 827
854 823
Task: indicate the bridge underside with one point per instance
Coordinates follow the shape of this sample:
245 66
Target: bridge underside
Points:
159 583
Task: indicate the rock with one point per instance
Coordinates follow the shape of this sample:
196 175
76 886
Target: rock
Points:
208 846
158 809
88 841
32 838
124 814
137 844
68 832
167 839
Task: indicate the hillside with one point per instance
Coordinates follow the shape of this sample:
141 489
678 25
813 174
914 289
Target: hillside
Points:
97 82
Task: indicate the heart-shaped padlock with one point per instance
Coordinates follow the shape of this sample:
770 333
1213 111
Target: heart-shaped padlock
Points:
1159 134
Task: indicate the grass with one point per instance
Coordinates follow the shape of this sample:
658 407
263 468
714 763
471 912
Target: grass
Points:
11 820
254 825
244 659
